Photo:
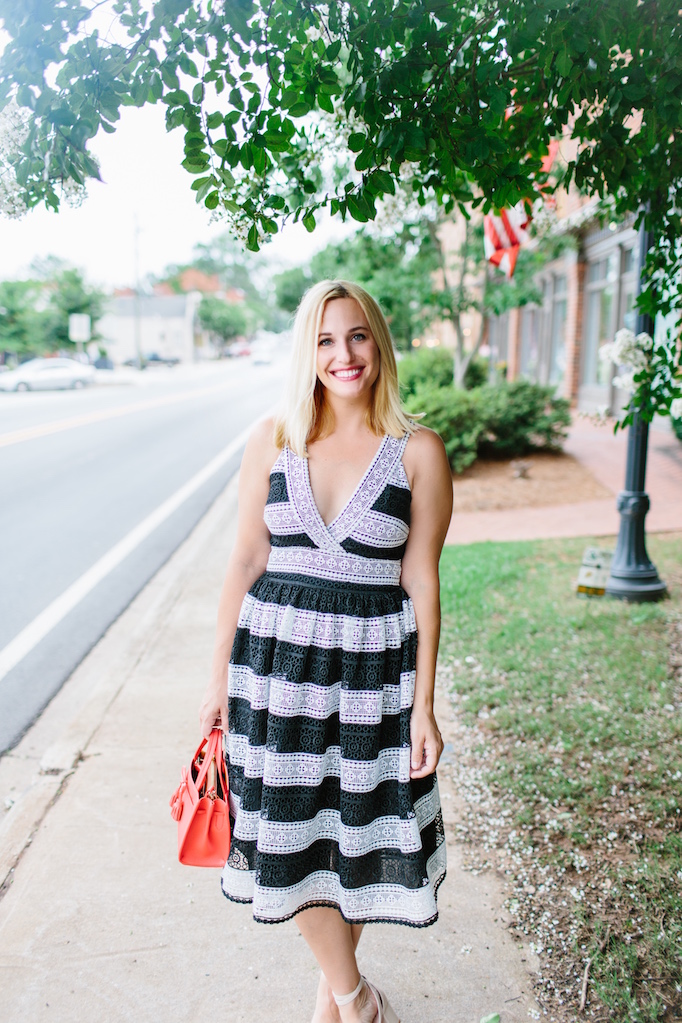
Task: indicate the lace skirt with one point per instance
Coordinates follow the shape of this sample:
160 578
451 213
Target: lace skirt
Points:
321 684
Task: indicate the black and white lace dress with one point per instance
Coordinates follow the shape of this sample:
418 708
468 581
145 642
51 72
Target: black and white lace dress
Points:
321 685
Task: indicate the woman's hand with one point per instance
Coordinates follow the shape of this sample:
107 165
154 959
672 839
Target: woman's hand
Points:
427 743
213 709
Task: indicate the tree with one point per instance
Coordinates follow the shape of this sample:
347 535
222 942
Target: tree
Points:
223 320
22 322
290 287
34 314
268 92
224 258
68 293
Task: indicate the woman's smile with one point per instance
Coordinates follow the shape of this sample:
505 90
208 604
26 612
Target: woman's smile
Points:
347 374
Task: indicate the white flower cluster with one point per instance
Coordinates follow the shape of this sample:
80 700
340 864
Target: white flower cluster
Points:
13 133
630 353
676 408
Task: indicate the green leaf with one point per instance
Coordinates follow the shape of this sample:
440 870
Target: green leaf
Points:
564 62
212 201
494 1018
214 120
299 109
333 50
325 102
260 160
356 141
384 181
252 239
365 159
198 93
358 209
204 190
309 222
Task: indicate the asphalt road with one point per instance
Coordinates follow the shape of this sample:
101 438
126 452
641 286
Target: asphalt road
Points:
81 475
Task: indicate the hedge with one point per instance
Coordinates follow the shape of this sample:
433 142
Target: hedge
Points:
495 421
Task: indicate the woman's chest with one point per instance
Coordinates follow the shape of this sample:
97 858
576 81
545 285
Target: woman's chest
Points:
336 471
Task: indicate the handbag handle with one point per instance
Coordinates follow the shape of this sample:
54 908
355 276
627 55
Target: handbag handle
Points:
212 752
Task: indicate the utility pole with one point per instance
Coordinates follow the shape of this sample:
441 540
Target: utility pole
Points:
633 574
137 331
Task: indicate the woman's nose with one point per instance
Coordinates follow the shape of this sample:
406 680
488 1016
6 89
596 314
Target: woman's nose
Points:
343 351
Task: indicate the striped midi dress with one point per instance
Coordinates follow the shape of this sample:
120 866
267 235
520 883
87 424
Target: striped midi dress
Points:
320 690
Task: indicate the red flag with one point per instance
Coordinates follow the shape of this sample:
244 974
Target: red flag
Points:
506 231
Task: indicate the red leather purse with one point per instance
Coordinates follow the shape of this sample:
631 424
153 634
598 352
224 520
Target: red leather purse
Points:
201 807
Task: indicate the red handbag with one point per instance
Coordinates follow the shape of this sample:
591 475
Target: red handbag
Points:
201 807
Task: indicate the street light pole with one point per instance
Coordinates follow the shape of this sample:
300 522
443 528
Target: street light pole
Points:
633 574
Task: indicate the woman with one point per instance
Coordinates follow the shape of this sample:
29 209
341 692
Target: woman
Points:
332 746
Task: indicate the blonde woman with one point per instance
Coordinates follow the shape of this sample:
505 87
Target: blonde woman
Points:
332 742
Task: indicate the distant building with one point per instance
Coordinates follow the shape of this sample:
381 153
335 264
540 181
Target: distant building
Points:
588 293
165 324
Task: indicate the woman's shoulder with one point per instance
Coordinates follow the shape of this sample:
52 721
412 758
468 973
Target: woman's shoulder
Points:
424 443
424 453
261 449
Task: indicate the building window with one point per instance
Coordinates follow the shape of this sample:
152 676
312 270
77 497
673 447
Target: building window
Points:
530 341
557 351
600 312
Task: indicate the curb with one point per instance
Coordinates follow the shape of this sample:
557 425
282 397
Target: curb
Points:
34 774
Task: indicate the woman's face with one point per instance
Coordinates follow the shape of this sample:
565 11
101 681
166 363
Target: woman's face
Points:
348 357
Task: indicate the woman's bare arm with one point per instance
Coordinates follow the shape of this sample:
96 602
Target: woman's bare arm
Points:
247 562
430 478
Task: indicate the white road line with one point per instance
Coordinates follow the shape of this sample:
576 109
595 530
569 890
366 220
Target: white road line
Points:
59 425
35 631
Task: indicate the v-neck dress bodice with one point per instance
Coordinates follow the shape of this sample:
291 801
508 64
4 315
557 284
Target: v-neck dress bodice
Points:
320 691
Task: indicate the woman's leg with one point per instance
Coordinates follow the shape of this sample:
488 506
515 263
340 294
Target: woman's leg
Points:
326 1008
333 943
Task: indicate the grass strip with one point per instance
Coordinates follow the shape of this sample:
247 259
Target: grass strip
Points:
575 706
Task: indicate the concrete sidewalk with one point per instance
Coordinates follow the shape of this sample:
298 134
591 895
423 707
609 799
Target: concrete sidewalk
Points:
603 454
99 922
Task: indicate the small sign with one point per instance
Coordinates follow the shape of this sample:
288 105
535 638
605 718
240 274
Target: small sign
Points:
594 572
79 327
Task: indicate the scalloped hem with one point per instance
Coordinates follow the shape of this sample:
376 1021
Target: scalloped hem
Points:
334 905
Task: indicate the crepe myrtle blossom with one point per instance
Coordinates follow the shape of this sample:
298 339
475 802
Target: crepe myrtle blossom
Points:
649 371
630 353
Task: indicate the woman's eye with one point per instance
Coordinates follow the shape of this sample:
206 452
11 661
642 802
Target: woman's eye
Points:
359 337
325 341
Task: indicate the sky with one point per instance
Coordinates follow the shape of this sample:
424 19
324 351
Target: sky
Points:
143 179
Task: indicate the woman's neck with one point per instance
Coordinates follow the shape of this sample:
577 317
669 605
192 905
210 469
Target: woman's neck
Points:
349 417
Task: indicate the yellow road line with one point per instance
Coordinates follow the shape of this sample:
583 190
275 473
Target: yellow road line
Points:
58 425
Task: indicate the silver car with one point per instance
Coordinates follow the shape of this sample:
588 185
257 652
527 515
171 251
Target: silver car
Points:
47 375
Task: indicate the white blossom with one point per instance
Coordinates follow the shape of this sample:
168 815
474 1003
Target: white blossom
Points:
14 130
625 381
630 351
676 408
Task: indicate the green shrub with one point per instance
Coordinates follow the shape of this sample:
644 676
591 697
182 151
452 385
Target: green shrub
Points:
453 414
677 428
520 417
432 367
476 374
504 421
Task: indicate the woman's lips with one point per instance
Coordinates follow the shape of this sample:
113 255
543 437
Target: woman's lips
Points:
347 374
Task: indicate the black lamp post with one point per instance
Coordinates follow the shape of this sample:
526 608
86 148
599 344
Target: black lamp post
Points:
633 574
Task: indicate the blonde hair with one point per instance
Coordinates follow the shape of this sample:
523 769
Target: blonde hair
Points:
306 415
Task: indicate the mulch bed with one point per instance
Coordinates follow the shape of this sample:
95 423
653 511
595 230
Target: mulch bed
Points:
537 480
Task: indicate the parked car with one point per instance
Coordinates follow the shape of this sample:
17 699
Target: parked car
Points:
47 375
238 349
153 359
